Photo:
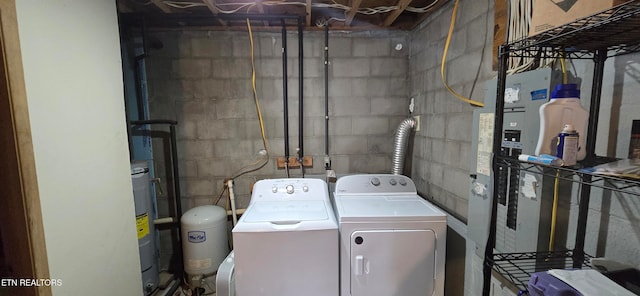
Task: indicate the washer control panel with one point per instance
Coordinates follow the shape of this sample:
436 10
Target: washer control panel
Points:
290 189
375 183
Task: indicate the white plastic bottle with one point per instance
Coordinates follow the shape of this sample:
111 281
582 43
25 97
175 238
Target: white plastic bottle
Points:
563 108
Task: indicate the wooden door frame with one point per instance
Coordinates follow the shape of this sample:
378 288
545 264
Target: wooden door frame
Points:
21 216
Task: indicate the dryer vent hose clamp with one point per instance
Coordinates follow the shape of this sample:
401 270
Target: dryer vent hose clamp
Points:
400 145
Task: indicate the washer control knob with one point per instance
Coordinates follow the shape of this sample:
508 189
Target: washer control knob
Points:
403 182
305 188
274 189
289 189
393 182
375 181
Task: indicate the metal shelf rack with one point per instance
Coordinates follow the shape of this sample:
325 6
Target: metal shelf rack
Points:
616 29
577 174
613 32
518 267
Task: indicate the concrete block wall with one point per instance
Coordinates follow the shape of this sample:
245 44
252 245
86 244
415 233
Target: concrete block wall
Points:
442 147
441 155
202 79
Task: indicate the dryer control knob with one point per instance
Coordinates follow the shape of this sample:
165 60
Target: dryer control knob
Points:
393 182
375 181
274 189
305 188
289 189
403 182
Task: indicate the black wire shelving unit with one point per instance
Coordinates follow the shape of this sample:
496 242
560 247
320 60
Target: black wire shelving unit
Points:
610 33
616 29
580 174
518 267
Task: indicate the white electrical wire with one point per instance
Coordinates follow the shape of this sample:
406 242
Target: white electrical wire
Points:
242 5
423 9
519 22
273 3
249 5
143 2
380 9
183 5
337 19
518 28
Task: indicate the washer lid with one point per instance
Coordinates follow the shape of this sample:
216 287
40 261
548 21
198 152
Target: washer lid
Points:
286 211
387 207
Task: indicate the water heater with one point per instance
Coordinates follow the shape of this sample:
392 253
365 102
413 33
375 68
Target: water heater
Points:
204 244
144 225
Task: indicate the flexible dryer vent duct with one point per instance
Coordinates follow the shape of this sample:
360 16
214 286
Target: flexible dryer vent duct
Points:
400 145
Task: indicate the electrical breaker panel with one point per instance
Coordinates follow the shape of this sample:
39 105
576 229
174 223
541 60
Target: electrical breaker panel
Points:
523 198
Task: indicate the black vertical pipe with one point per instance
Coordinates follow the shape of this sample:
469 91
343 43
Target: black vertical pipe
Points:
326 91
138 85
176 177
285 92
497 142
592 130
178 198
137 71
301 94
145 48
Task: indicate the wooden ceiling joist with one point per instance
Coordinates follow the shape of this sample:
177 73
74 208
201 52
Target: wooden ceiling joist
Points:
308 7
355 5
401 6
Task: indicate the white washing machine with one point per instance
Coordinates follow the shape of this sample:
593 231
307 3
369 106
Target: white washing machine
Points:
286 243
392 241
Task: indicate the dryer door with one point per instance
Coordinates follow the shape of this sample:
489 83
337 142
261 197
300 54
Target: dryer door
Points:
393 262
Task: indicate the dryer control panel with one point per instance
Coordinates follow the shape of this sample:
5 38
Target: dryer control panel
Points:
290 189
375 184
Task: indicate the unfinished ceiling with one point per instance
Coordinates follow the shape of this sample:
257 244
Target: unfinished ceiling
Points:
227 14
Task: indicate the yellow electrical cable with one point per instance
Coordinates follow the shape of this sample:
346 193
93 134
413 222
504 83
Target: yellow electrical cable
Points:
556 184
444 60
564 70
265 157
247 169
255 92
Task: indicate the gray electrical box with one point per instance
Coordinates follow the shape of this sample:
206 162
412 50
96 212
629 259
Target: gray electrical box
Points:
524 198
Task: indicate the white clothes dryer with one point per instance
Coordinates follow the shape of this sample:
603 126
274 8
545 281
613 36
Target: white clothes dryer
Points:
286 243
392 241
